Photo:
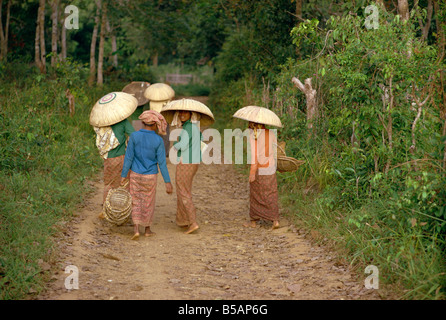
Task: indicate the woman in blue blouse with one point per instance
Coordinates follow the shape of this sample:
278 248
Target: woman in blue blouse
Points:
145 152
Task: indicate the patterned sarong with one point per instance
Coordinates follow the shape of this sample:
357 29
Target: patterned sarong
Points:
143 191
112 174
264 198
184 176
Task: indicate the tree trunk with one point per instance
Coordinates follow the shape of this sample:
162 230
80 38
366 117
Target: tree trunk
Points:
42 35
114 45
54 17
310 95
4 32
299 9
101 44
63 35
425 28
94 37
37 44
155 59
441 41
403 9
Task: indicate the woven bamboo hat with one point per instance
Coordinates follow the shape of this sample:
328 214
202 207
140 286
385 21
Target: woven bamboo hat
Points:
258 115
207 118
137 89
159 94
112 108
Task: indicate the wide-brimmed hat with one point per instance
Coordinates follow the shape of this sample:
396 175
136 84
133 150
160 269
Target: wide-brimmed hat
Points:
112 108
159 94
137 89
206 119
258 115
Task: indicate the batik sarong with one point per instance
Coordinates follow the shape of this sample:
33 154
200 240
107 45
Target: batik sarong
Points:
143 192
184 175
112 174
263 198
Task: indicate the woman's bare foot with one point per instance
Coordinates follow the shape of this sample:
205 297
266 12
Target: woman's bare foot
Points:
136 231
276 225
250 224
192 228
101 215
149 233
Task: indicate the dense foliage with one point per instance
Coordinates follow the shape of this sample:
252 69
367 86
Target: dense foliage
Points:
375 173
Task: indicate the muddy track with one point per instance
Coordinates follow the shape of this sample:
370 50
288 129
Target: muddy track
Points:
222 260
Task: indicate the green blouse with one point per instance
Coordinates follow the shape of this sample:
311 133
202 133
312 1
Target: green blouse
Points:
121 129
189 145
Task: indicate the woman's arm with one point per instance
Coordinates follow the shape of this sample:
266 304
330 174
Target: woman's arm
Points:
161 158
129 155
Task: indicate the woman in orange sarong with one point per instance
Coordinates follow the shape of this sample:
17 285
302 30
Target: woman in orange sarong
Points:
263 194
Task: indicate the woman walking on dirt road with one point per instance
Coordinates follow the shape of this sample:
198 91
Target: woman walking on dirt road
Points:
145 152
188 114
263 193
109 120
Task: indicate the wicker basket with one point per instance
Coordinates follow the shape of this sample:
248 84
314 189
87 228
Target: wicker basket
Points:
284 163
118 206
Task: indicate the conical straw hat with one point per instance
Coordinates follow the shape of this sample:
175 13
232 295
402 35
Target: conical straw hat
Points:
168 111
258 115
112 108
137 89
159 92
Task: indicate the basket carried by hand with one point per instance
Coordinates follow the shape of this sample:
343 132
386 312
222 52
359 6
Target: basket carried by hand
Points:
118 206
284 163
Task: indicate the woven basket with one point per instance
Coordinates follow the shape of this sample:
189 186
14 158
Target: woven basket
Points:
284 163
118 206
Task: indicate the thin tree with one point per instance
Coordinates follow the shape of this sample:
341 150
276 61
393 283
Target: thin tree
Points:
114 45
39 43
94 38
101 44
63 35
4 31
54 33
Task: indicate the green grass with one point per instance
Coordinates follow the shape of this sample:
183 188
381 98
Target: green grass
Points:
46 158
410 260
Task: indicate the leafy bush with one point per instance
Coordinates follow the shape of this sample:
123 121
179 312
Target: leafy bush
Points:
374 179
46 156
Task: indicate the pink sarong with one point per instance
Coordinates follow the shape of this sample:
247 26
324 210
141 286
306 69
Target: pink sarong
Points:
184 175
143 192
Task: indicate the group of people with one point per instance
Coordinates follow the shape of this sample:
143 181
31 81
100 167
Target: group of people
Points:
133 158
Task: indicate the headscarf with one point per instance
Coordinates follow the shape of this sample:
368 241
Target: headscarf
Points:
149 116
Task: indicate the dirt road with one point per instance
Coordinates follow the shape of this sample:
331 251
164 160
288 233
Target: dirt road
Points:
221 260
